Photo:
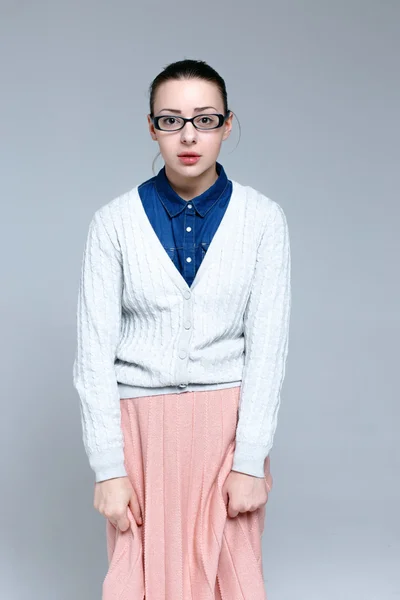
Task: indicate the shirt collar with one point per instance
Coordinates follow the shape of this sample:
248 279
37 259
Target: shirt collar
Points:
174 204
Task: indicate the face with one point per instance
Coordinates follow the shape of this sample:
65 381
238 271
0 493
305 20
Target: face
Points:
181 98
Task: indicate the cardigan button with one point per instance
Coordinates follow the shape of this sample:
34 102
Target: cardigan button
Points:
182 354
187 294
187 324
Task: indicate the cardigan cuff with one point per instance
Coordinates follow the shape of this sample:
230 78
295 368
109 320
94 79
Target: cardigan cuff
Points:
250 458
108 464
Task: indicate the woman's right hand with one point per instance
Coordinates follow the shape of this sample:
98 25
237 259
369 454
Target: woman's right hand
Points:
111 499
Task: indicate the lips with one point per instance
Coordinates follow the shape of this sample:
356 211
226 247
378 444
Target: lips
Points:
189 154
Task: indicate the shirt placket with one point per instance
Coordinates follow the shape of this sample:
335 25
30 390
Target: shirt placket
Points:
189 246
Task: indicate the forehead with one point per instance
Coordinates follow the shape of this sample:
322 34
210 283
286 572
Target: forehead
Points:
187 94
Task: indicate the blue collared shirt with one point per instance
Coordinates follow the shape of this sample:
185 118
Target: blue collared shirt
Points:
185 228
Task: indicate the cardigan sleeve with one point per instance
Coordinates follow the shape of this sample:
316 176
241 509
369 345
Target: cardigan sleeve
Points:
98 327
266 333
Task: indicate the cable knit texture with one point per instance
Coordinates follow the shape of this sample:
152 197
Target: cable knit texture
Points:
139 323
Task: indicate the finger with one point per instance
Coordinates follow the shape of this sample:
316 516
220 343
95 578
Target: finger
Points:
232 513
225 496
123 524
135 509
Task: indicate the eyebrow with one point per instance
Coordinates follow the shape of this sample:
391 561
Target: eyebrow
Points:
198 109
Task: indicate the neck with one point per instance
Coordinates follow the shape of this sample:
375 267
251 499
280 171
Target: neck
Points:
190 187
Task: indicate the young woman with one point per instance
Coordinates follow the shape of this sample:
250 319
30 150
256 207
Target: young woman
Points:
182 338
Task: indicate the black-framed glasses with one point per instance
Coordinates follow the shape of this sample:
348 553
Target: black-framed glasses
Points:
201 122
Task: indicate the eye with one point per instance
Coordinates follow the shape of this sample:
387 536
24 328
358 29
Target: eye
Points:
207 121
170 123
168 120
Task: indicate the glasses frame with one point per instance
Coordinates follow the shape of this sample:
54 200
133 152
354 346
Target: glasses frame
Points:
222 118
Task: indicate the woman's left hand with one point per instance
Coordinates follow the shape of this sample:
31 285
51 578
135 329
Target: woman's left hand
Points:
244 492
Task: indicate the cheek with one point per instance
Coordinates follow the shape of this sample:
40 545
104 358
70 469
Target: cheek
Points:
215 138
211 142
215 148
166 144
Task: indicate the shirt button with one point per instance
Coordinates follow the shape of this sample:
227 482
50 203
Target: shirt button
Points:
187 294
188 259
182 354
182 385
187 324
189 206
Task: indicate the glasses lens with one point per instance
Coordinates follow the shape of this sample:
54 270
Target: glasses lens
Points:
170 123
206 121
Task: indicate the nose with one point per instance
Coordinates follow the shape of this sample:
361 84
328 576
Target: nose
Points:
188 132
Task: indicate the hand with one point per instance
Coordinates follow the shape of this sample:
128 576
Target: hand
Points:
244 492
111 499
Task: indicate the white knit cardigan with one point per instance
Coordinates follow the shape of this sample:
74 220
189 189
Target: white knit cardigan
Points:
139 324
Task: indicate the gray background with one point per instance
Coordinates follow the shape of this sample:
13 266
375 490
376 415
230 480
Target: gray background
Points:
316 88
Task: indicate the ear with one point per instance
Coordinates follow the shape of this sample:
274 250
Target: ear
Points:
228 126
151 128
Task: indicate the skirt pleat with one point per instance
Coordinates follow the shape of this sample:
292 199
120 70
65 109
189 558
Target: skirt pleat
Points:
178 452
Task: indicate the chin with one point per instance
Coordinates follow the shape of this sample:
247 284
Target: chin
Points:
187 170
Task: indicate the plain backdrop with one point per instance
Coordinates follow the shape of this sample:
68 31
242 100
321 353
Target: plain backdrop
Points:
315 85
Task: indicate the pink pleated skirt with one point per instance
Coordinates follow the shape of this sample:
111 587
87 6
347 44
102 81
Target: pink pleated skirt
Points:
178 453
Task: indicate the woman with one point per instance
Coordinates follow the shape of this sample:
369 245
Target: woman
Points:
182 329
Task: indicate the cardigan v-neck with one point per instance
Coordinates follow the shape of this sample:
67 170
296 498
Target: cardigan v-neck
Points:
185 228
155 244
140 325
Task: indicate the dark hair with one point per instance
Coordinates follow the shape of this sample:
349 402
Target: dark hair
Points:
188 69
